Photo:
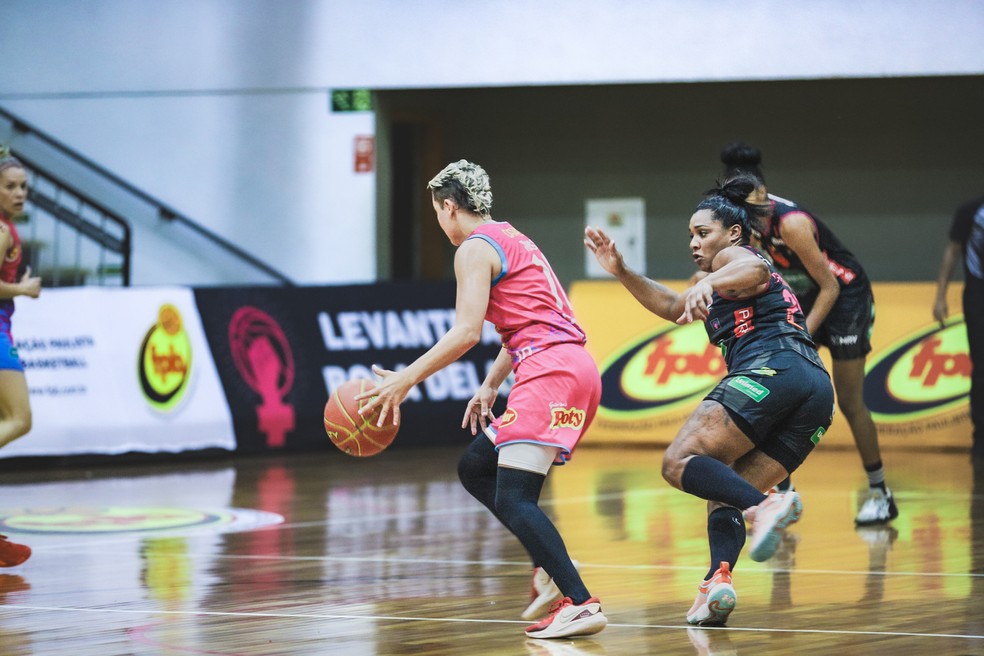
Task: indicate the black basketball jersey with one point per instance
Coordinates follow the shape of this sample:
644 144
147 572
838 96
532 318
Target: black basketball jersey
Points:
745 329
844 265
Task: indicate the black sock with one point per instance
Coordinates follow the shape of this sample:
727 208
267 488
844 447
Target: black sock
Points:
785 484
713 480
517 494
726 537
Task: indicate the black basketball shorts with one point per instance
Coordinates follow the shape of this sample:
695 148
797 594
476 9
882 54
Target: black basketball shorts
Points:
784 405
847 329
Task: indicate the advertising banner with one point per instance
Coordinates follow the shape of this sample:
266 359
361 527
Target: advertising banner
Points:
117 370
281 351
654 372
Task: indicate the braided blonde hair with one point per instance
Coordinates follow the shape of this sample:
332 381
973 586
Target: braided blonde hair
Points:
465 183
7 160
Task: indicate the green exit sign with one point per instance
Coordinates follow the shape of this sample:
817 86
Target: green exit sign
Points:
351 100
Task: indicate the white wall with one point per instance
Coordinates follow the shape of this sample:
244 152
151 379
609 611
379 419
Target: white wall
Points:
450 43
220 107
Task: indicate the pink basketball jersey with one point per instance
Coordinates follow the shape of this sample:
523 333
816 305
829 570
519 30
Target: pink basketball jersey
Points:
527 304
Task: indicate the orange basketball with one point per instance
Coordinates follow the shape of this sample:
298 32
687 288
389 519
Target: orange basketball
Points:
354 434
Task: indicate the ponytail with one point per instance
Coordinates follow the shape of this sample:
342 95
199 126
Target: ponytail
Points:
728 203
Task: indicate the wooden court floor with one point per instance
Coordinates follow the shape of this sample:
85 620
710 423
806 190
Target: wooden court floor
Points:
326 554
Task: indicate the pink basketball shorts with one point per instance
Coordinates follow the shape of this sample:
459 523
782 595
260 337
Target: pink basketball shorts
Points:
553 400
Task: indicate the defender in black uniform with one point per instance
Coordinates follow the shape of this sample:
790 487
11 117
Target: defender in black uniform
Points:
835 294
765 416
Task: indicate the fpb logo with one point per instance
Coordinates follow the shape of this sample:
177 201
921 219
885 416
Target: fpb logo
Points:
164 361
665 369
924 374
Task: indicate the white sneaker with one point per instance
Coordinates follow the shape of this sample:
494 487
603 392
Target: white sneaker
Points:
716 598
878 508
543 592
569 619
769 519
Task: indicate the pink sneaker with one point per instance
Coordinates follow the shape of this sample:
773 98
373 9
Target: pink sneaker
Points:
568 619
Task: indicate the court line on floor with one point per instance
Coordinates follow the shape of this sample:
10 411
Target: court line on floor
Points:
76 547
396 618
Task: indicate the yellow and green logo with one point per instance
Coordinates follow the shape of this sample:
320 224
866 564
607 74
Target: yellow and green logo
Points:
663 370
80 520
164 362
923 374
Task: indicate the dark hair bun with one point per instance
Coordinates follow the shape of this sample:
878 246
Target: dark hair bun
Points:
737 189
741 155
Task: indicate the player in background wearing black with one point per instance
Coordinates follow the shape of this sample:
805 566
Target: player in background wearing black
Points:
836 296
967 242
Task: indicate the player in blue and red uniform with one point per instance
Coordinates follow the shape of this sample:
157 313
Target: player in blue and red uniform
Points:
15 406
773 406
504 278
836 296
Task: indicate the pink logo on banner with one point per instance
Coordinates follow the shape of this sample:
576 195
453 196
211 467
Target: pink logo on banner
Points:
263 357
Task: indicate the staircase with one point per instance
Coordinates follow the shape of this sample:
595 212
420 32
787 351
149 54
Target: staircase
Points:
81 220
68 238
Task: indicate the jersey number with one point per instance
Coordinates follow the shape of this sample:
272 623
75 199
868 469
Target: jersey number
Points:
549 275
794 307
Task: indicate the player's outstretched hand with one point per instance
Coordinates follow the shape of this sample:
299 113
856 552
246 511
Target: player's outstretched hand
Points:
604 250
695 302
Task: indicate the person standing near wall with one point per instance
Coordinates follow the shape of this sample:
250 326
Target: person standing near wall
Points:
15 406
502 277
836 296
967 241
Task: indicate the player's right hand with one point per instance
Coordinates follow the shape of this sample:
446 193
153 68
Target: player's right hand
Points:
478 412
940 310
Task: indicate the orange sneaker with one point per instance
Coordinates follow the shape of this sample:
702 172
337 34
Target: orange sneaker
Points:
11 553
716 598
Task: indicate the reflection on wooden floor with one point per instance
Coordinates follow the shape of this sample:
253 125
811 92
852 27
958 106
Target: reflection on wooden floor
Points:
390 556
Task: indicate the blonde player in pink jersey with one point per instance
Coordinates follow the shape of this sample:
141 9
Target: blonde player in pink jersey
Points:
503 277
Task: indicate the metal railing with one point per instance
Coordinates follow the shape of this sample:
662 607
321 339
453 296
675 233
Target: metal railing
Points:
96 249
64 213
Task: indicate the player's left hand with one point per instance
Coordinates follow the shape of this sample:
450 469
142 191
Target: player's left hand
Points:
479 410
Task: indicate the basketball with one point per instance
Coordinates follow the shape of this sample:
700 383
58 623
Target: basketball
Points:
354 434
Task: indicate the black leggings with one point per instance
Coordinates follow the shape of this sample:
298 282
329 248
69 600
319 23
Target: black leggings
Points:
512 495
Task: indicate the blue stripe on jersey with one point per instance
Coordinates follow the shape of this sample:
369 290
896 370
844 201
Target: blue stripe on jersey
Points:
498 249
